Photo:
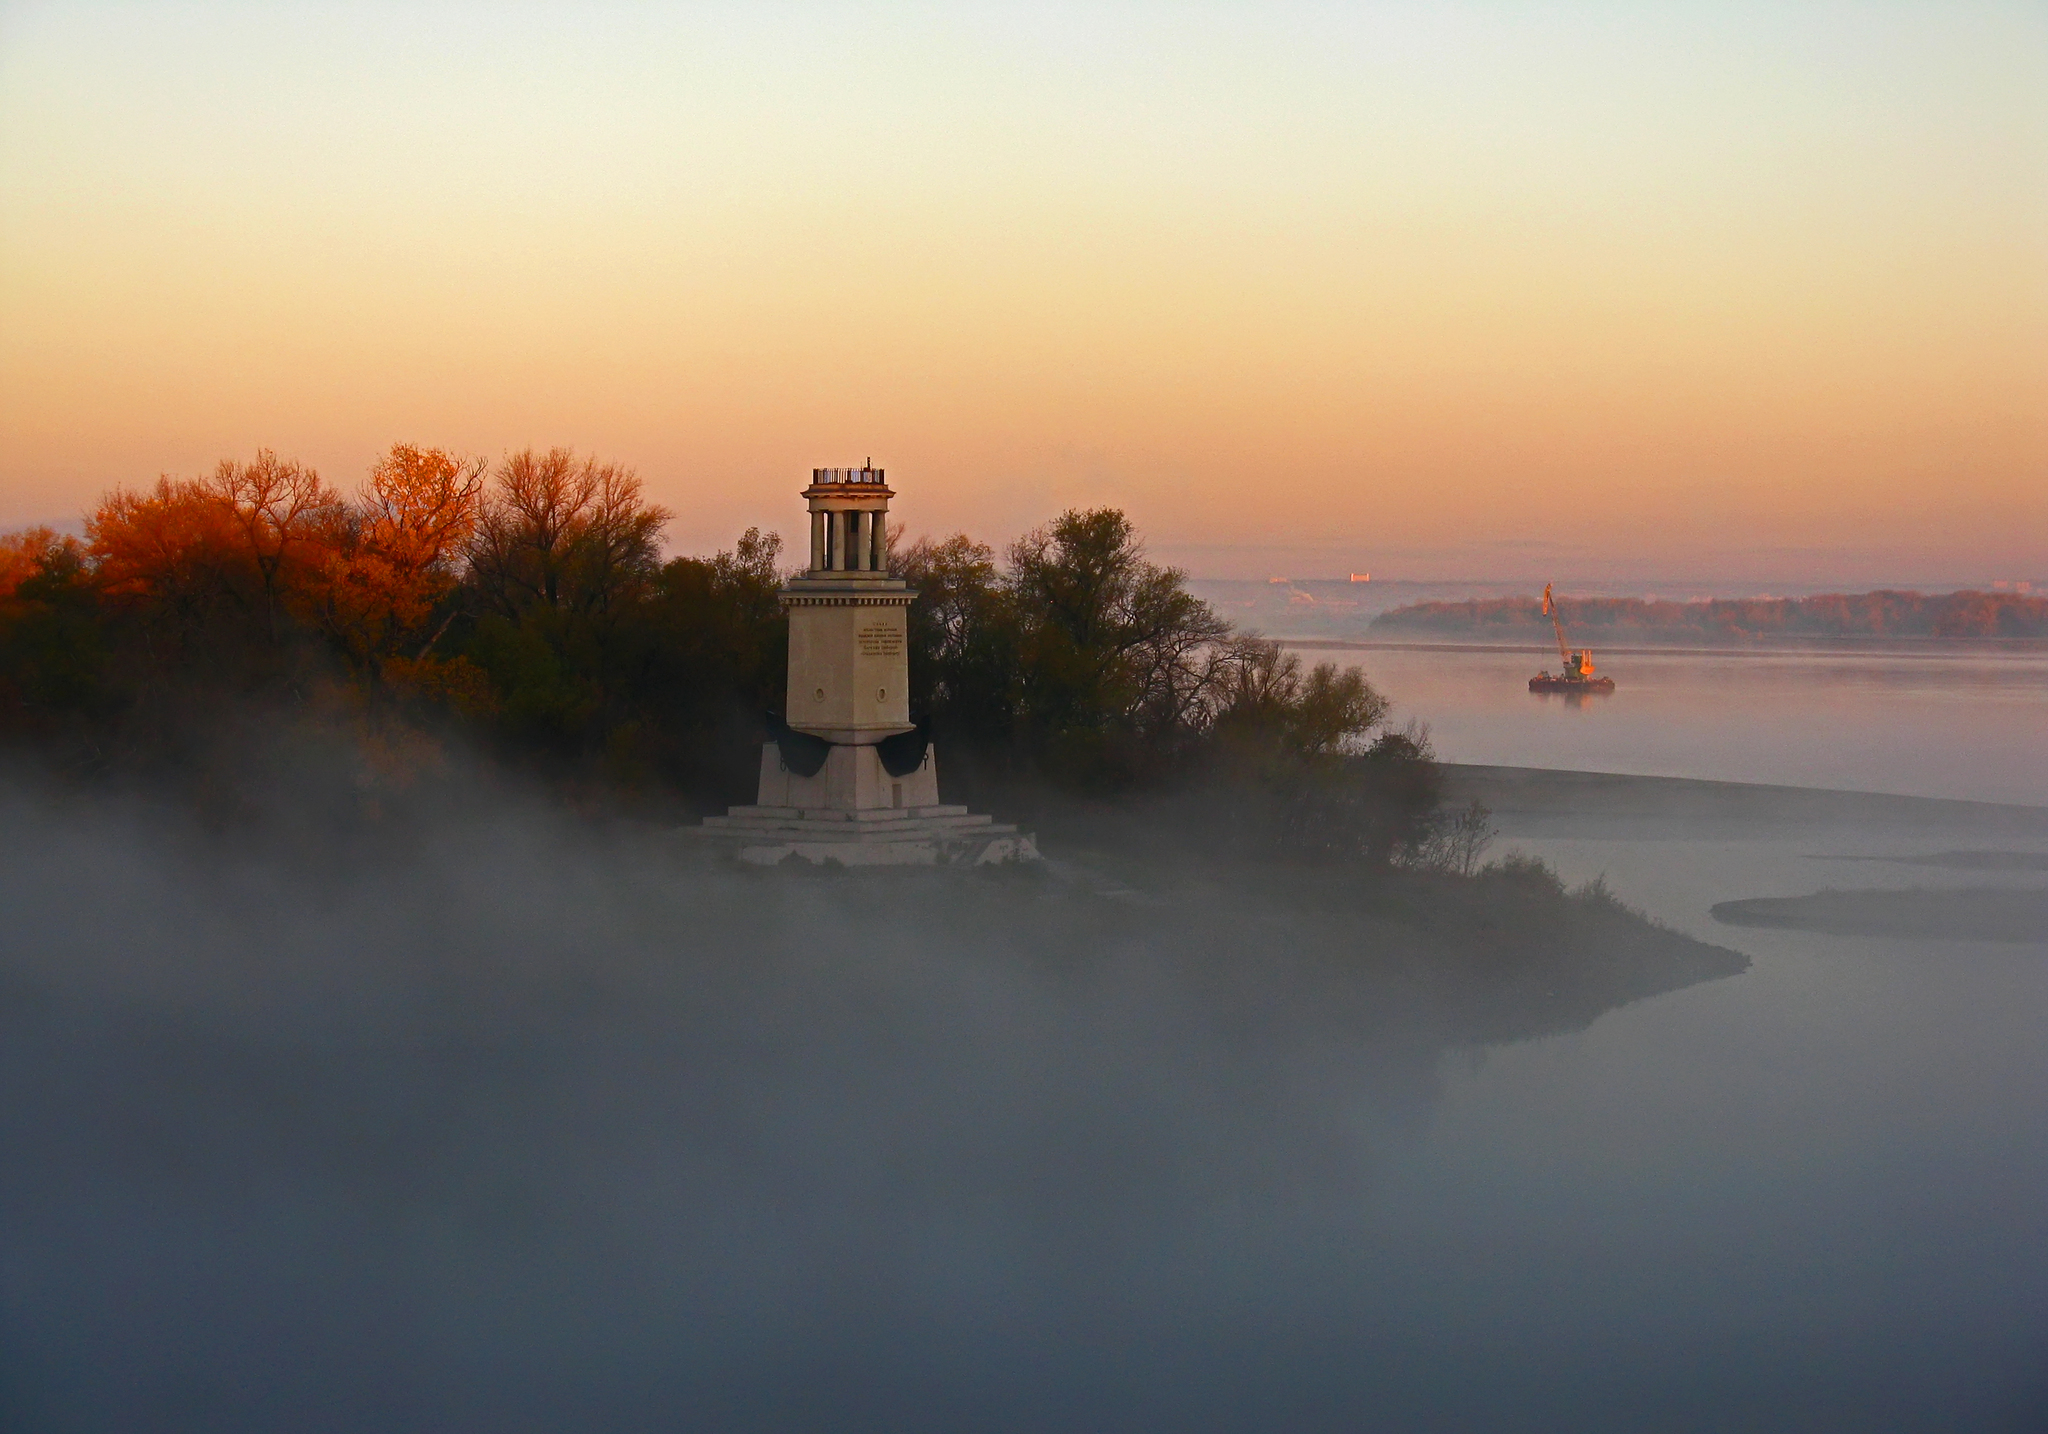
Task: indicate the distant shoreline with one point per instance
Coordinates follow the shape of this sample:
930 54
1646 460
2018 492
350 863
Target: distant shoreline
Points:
1919 647
1827 618
1984 913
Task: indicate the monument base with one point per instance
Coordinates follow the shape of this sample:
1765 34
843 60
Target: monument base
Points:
855 813
907 836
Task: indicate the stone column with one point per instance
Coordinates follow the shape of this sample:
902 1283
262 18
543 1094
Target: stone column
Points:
879 548
856 557
817 542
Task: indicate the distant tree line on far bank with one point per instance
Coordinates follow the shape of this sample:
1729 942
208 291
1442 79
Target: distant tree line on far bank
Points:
524 610
1886 614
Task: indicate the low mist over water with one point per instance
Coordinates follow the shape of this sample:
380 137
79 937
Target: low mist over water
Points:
495 1120
499 1122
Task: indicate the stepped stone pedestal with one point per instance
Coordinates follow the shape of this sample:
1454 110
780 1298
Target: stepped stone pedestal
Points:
854 813
911 836
840 784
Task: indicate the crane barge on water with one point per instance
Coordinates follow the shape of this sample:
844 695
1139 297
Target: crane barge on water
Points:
1577 674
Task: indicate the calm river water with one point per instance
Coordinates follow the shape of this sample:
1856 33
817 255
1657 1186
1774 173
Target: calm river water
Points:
1938 725
1811 1196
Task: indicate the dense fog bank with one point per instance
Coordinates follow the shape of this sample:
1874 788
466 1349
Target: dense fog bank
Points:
478 1116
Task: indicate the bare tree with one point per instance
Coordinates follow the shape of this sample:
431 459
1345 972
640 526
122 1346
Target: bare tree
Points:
279 507
1453 842
565 535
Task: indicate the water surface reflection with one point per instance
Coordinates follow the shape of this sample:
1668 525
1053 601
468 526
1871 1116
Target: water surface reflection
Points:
1965 725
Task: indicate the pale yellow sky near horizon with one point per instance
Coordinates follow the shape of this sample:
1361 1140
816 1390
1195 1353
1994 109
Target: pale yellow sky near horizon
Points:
1488 291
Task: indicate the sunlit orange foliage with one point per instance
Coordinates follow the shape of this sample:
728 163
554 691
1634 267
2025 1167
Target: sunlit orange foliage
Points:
394 553
247 531
176 543
284 517
26 553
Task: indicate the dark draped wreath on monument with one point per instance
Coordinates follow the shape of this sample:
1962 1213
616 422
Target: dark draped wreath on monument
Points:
804 753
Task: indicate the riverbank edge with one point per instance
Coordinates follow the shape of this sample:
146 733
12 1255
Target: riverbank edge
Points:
1524 799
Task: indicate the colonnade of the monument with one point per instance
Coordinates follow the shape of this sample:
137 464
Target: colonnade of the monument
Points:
851 541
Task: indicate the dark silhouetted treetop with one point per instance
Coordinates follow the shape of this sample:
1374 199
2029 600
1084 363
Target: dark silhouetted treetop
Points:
564 535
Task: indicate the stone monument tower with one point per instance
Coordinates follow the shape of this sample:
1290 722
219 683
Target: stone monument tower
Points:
846 775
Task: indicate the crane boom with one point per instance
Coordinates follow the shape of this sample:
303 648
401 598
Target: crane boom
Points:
1550 611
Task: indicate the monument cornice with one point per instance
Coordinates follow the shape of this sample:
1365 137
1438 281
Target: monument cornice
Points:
847 590
879 491
902 597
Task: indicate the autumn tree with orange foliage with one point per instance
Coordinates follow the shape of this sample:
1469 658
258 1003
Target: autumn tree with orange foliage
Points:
28 554
182 600
173 545
285 518
51 647
528 605
195 554
393 557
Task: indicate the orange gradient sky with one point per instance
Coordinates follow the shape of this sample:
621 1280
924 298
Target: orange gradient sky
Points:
1497 291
